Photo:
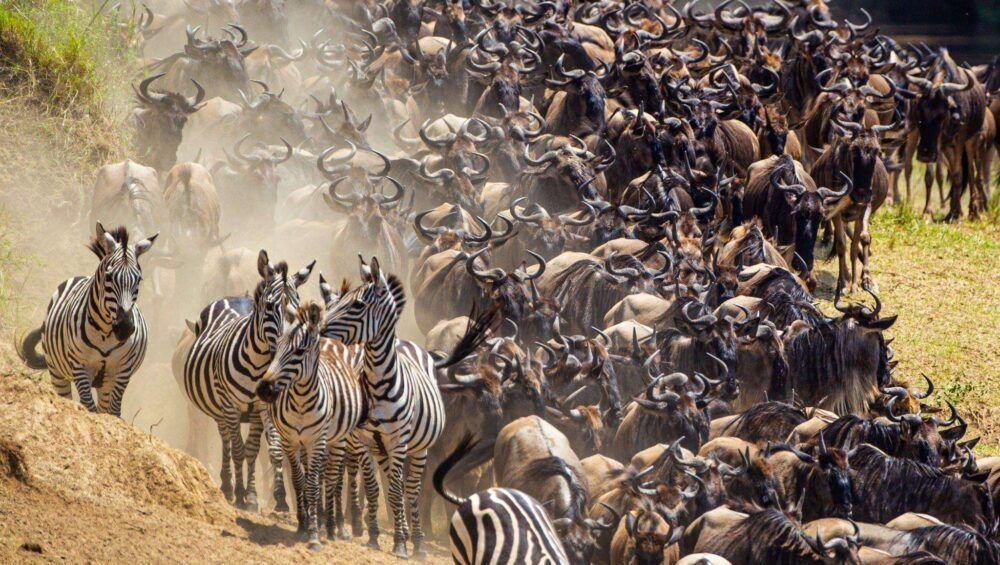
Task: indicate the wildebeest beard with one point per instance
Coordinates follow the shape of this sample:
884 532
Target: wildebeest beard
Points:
832 361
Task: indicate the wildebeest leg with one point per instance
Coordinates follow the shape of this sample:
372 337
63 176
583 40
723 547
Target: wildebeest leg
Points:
865 237
957 177
978 160
855 252
929 187
939 177
840 246
908 150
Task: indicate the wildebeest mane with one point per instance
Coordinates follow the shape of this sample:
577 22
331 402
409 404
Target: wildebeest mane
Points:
848 432
773 539
540 470
767 421
954 544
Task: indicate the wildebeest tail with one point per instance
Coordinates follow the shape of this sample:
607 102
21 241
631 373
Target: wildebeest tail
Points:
475 335
28 351
466 446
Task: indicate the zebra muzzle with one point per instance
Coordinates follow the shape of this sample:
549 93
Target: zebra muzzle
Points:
123 328
268 391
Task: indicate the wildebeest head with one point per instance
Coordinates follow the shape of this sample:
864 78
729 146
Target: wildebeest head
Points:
269 115
860 150
365 209
548 235
255 175
160 122
922 440
681 414
936 112
510 290
649 533
221 61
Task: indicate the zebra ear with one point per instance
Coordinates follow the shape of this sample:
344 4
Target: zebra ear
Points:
366 272
264 267
300 278
378 277
144 245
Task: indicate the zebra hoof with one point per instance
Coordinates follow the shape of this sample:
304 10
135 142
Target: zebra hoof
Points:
344 534
314 545
373 543
420 554
399 550
281 506
250 503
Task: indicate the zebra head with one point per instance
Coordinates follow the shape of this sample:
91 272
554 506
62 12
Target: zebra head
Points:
369 311
277 293
297 352
117 277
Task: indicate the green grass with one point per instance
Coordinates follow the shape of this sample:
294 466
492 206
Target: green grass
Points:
74 58
941 279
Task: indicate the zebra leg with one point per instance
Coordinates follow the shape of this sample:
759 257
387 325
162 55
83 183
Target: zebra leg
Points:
334 484
276 455
64 387
239 456
371 497
81 378
295 464
316 465
353 498
225 476
117 394
414 480
391 464
252 450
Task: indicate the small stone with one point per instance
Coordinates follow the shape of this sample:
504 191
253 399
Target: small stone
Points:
32 547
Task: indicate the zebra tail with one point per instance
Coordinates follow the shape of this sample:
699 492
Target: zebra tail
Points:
475 335
464 448
28 351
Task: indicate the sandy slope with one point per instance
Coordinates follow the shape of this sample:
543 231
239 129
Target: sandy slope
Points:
80 487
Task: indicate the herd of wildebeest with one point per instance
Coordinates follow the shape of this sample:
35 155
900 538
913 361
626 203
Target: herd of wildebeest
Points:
605 215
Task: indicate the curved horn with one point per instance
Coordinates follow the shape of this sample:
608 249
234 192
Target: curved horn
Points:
491 275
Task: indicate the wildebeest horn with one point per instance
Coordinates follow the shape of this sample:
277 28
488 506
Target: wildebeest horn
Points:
143 91
439 142
442 173
491 275
541 267
321 160
731 22
950 421
533 219
427 235
238 150
878 303
826 193
822 445
910 419
546 157
589 217
727 470
480 239
953 87
243 34
627 272
858 28
600 525
396 197
922 395
289 151
707 319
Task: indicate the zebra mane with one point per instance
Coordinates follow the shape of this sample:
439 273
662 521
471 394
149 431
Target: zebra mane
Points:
396 288
96 245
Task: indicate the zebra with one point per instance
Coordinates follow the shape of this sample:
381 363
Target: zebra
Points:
93 332
314 400
235 340
405 412
497 525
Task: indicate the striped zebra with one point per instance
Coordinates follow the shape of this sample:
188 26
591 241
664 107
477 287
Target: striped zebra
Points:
405 412
235 340
314 400
498 525
93 333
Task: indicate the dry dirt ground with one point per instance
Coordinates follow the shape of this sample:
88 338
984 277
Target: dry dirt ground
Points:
81 487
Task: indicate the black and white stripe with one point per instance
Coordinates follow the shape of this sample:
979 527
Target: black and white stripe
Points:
498 525
405 412
93 333
234 345
314 400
